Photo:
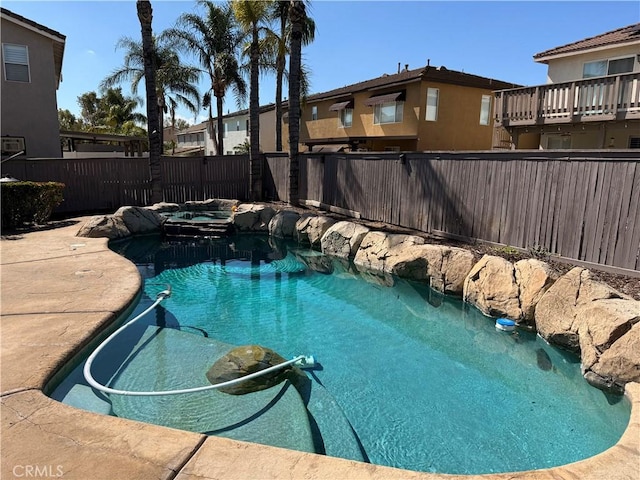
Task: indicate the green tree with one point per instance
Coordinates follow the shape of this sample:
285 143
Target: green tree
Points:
110 112
297 14
68 121
175 82
145 16
214 40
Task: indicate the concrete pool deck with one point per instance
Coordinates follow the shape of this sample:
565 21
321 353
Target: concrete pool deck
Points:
59 291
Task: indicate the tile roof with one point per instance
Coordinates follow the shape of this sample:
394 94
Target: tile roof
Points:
437 74
629 34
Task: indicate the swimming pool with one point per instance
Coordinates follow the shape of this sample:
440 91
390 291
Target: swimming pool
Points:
408 378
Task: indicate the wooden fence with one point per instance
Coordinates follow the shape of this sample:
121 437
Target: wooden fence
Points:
582 205
105 184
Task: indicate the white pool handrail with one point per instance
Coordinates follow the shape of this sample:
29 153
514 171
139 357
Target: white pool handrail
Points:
301 360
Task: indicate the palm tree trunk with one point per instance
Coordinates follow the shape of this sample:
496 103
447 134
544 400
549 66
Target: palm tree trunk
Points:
255 159
220 109
279 76
145 14
296 16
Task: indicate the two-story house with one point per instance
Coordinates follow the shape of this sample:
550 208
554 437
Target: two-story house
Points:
591 99
31 72
429 108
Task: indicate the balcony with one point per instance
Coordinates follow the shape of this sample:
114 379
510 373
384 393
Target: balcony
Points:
593 99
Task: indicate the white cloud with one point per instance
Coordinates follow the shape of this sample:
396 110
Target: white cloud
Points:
91 52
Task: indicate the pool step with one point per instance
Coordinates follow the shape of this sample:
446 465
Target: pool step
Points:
214 228
167 359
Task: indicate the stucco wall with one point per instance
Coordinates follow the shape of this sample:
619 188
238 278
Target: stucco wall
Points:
30 110
237 132
570 68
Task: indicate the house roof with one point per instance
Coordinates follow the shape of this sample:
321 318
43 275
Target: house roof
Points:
58 38
429 73
625 35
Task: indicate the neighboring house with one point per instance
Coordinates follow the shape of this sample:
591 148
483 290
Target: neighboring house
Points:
591 99
429 108
196 139
31 73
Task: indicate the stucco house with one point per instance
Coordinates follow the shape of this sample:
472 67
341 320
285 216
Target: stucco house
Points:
197 139
591 99
31 73
429 108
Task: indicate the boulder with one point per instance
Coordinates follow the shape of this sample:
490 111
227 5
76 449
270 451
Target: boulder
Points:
104 226
250 217
212 204
343 239
378 250
140 220
164 207
283 224
491 287
447 267
558 313
609 338
242 361
534 278
311 228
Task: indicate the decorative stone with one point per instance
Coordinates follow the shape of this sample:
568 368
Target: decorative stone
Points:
164 207
242 361
492 288
104 226
447 267
140 220
343 239
377 249
251 217
558 315
311 228
534 278
212 204
610 342
283 224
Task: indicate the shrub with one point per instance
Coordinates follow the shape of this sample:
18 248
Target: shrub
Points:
29 202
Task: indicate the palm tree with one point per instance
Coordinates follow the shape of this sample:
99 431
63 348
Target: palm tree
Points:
281 49
252 17
297 14
214 41
175 82
119 112
145 14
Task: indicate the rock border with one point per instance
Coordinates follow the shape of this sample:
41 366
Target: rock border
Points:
572 311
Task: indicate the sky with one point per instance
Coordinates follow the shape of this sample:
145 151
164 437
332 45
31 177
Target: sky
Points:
355 40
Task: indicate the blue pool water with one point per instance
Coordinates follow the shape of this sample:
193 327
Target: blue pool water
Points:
406 377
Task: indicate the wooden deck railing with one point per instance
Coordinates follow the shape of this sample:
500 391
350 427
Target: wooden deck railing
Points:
593 99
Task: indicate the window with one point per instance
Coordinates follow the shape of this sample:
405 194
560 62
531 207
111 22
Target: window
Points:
558 142
346 117
634 142
601 68
16 63
237 125
485 110
225 130
314 112
432 104
388 112
246 125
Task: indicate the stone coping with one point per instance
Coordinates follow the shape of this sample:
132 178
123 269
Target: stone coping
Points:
60 291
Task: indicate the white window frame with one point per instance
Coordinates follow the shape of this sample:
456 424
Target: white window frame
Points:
398 107
346 121
485 110
431 110
26 62
225 129
314 112
608 66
